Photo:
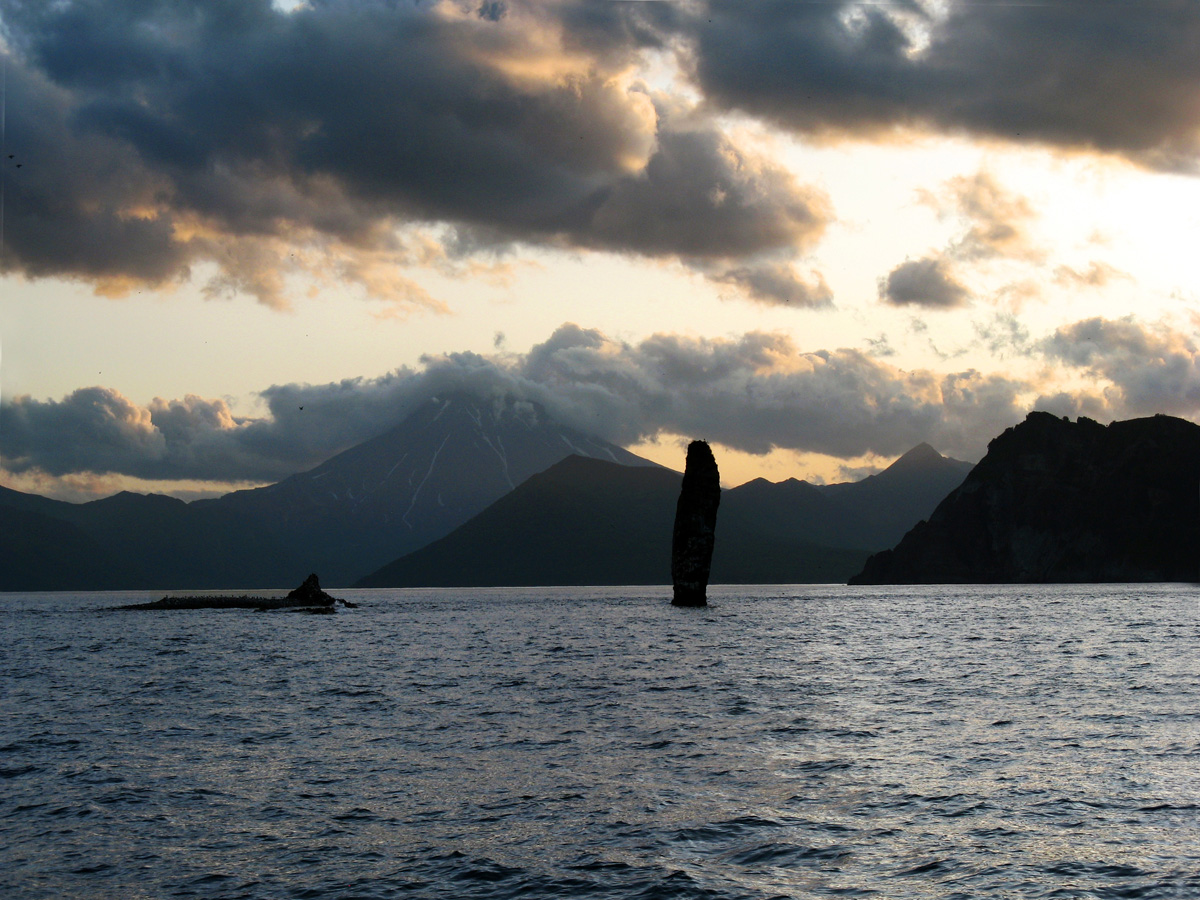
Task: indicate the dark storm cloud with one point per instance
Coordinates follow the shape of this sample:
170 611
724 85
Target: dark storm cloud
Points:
91 430
1112 76
754 393
158 134
923 282
700 196
94 203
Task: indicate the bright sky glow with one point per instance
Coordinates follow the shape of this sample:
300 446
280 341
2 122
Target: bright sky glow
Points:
945 248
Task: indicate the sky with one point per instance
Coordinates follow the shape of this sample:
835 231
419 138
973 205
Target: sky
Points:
237 236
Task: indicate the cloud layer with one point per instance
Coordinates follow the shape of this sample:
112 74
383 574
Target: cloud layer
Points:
337 140
1143 369
1104 76
753 393
158 135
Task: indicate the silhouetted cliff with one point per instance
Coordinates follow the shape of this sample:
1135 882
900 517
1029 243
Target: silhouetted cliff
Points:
1062 501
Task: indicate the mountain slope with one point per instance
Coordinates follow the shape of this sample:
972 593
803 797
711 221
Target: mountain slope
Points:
1061 501
446 462
42 553
129 541
582 521
586 521
450 460
396 492
871 514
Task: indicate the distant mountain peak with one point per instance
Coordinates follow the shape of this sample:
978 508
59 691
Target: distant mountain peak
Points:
918 462
134 500
921 455
453 455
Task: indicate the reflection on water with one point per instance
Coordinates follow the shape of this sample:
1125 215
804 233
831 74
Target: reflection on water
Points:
797 742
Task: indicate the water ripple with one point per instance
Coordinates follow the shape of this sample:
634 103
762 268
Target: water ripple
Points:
907 743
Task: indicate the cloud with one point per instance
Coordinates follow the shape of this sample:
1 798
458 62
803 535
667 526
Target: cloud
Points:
759 392
996 220
1096 275
93 429
1004 335
994 227
98 430
880 347
755 393
752 393
156 136
923 282
65 196
160 138
775 283
1074 405
1149 368
701 196
1094 76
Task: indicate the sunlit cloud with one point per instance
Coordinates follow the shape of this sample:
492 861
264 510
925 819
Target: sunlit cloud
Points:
997 220
1148 368
753 393
160 137
1098 274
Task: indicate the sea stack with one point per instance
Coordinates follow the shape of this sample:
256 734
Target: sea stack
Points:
310 594
695 526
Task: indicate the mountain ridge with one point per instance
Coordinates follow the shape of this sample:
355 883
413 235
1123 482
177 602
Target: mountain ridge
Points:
1061 501
414 484
396 492
451 457
587 522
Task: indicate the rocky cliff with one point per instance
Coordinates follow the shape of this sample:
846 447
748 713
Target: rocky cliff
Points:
1062 501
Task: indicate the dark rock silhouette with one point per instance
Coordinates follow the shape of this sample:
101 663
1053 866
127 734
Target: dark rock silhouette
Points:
1062 501
310 594
308 598
695 526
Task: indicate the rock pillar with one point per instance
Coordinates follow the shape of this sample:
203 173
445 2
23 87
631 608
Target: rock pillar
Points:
695 526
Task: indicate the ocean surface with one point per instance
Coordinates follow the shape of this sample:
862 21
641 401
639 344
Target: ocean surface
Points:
797 741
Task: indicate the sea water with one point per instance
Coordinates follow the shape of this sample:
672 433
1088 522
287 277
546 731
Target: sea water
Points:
791 741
